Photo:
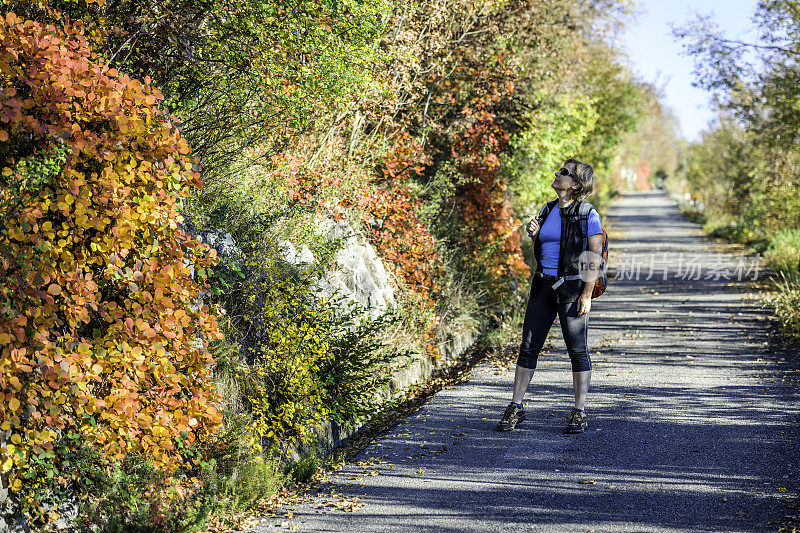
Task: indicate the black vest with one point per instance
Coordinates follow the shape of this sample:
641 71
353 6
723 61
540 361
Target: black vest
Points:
569 250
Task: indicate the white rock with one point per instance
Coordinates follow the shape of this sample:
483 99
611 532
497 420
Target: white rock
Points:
287 251
358 273
305 256
221 241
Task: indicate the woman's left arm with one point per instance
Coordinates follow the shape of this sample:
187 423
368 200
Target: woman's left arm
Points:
585 300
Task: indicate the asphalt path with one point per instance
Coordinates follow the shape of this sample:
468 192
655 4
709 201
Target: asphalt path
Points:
693 415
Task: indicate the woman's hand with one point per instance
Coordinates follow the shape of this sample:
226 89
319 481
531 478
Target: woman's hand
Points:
584 303
532 228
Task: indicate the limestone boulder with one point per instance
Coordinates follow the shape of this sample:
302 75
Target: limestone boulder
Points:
358 274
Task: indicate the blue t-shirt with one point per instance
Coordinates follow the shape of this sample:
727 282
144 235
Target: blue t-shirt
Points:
550 235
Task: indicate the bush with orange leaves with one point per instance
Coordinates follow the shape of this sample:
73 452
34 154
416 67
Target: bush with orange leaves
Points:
492 229
103 339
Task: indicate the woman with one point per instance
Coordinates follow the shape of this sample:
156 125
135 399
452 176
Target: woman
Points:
560 286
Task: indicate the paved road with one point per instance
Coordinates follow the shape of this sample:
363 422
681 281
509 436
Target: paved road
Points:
691 425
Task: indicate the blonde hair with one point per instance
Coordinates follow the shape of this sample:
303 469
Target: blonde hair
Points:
584 174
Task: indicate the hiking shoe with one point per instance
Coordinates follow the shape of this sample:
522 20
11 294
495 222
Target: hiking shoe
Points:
578 422
512 416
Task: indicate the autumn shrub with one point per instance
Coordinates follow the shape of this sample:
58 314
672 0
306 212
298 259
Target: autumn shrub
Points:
305 468
492 229
236 73
356 373
736 231
102 336
280 337
293 359
135 495
787 303
556 130
281 198
249 477
287 196
783 252
409 250
236 473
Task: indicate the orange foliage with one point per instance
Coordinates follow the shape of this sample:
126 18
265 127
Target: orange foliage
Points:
642 171
492 229
101 332
406 158
408 247
402 238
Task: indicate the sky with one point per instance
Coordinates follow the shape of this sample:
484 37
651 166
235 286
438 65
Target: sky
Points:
656 57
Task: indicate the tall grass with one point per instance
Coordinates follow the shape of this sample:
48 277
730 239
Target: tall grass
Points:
787 303
782 256
783 252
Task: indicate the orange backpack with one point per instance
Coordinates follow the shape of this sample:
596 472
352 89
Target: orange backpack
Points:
602 279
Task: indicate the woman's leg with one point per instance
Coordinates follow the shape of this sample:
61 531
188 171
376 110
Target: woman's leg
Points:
580 383
575 330
539 317
522 378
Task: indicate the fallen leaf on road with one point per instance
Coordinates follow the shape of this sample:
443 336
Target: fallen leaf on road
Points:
587 482
349 505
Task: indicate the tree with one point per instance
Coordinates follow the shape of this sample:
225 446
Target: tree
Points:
756 85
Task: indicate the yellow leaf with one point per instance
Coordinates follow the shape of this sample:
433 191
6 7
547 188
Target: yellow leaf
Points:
5 68
14 404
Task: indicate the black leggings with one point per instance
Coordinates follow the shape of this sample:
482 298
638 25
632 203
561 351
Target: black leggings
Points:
539 317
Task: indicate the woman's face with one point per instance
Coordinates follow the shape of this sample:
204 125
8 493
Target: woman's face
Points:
564 180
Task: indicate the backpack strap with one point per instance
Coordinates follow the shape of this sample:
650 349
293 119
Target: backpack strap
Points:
546 211
562 279
583 212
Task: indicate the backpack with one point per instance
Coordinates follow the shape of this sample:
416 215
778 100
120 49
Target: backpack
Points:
602 279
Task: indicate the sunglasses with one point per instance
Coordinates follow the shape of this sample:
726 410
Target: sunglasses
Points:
565 172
